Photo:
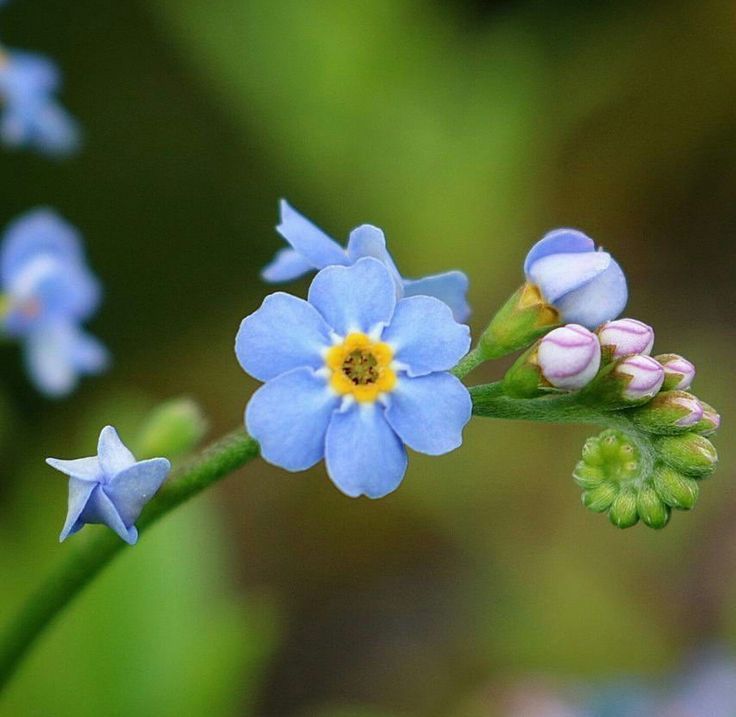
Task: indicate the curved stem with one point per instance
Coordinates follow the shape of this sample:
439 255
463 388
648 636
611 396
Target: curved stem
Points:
468 363
86 561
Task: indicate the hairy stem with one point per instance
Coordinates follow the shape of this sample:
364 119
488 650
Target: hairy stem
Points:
83 563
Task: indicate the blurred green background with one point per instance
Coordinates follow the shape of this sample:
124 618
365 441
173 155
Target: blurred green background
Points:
466 130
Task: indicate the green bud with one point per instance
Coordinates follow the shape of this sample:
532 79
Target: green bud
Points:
675 489
651 509
624 513
610 457
171 429
669 413
521 320
524 378
688 453
710 421
600 498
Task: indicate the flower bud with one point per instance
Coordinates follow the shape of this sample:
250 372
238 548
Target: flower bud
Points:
519 322
569 357
600 498
172 429
710 421
625 337
650 507
641 377
675 489
623 512
678 372
669 412
688 453
586 286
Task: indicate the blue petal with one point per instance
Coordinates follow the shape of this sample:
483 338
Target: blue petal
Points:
288 264
133 487
100 509
360 297
308 240
599 301
39 231
559 274
53 130
559 241
367 240
288 416
430 412
425 337
86 469
89 355
112 452
363 454
79 494
450 287
284 333
48 359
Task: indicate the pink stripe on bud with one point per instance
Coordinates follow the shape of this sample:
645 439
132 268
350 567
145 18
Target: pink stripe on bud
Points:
645 377
694 410
626 337
569 357
678 371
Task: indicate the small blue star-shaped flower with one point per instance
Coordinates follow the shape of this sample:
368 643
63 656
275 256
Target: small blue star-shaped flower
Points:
30 115
110 488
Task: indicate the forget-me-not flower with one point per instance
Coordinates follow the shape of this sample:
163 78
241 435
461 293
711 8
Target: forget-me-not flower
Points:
30 115
352 376
110 488
586 286
47 291
310 249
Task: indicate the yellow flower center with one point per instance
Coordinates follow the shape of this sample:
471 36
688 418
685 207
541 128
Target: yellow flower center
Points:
361 367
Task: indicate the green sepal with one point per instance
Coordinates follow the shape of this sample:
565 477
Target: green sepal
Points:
524 378
710 421
675 489
519 322
651 509
689 453
662 415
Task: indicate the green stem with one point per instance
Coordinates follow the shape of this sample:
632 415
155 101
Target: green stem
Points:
83 563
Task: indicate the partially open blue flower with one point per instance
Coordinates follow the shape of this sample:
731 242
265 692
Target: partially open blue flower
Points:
110 488
586 286
48 290
30 115
352 375
312 249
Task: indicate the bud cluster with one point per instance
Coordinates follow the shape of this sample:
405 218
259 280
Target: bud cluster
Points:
618 479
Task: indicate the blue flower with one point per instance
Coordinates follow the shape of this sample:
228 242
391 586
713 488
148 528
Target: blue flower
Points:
586 286
352 375
31 116
48 290
110 488
312 249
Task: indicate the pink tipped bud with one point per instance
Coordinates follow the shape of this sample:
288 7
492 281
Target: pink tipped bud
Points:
626 337
678 372
569 357
643 377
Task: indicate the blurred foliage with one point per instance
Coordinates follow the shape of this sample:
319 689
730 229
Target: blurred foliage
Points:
465 130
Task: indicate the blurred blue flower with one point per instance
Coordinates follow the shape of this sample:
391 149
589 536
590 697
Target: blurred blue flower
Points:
312 249
586 286
110 488
31 116
48 290
352 375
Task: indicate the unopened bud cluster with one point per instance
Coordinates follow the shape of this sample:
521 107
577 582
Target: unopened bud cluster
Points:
617 479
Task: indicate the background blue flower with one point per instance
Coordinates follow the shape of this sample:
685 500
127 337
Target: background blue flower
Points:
301 416
110 488
30 115
310 249
48 291
586 286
